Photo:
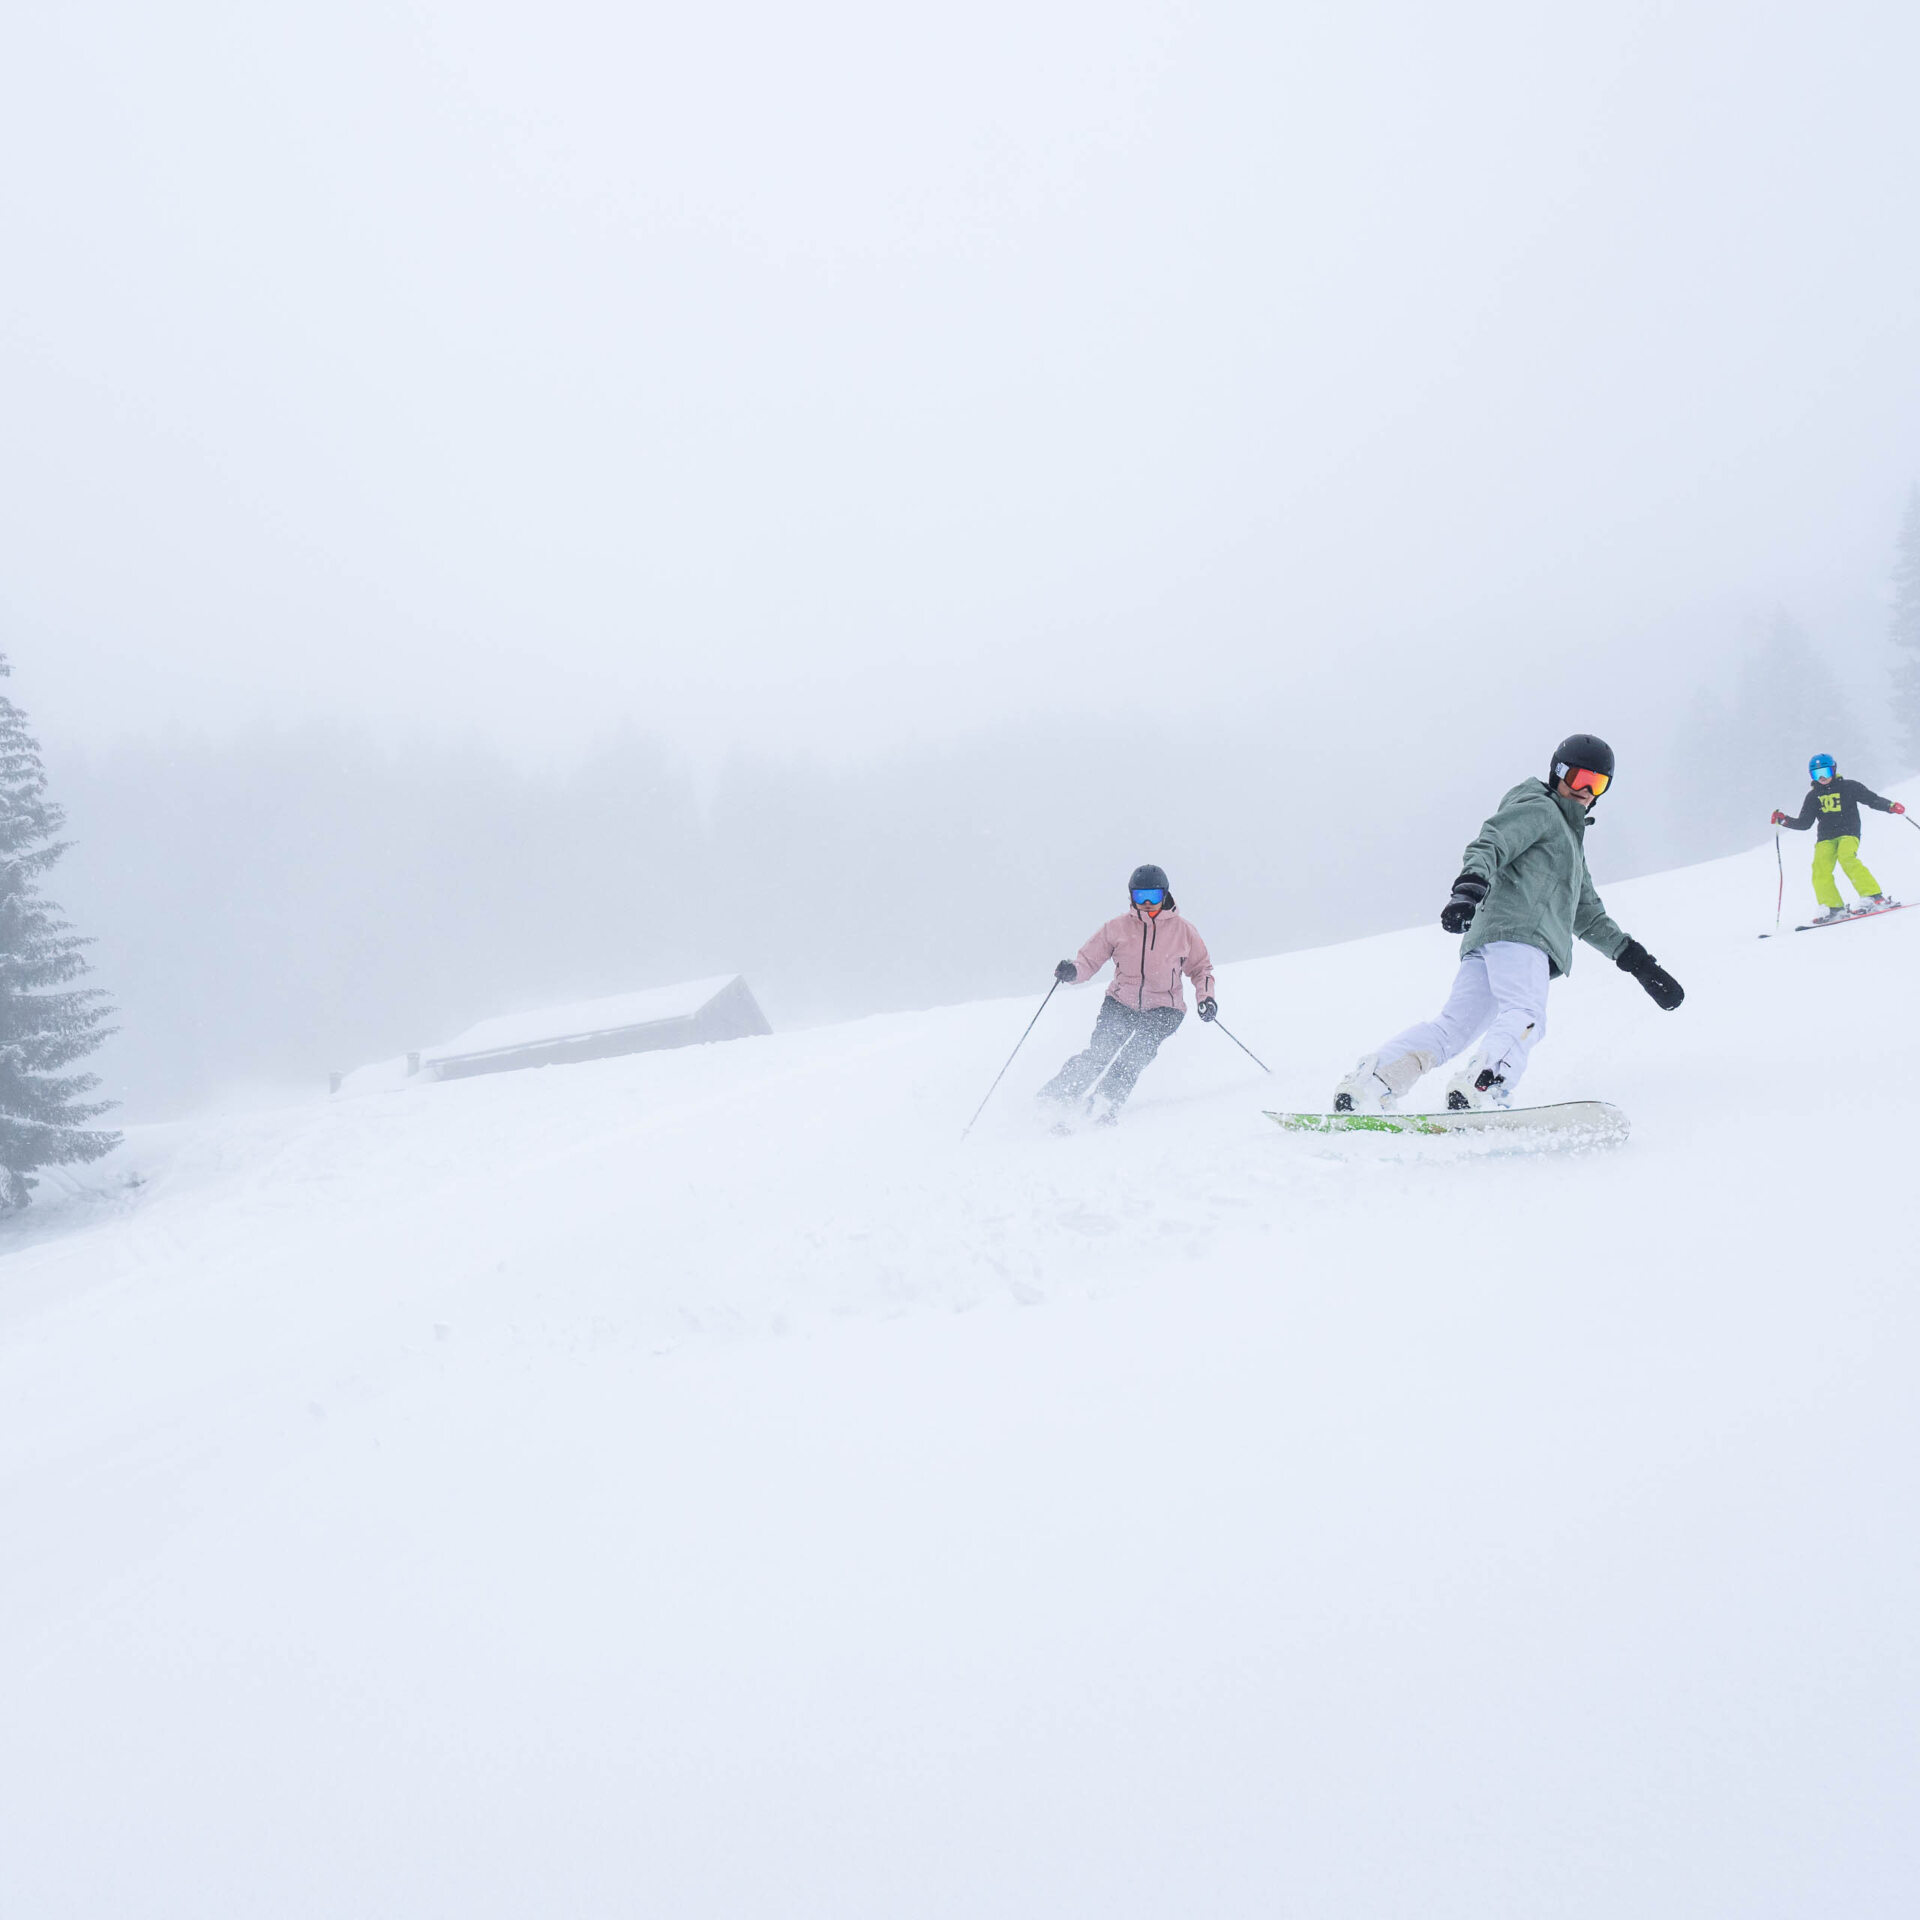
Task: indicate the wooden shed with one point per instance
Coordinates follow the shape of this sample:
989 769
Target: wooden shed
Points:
722 1008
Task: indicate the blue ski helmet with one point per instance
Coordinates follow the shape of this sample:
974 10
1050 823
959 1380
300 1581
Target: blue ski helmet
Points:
1820 767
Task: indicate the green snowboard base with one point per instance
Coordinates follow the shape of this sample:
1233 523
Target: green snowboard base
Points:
1593 1118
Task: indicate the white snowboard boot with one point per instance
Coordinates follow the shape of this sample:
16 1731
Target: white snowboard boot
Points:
1374 1088
1363 1091
1476 1088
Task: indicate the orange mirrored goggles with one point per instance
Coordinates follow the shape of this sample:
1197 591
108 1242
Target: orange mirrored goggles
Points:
1585 780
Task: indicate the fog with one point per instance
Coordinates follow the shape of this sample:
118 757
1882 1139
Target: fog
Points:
502 503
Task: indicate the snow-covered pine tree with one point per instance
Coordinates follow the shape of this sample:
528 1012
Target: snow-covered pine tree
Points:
45 1024
1905 635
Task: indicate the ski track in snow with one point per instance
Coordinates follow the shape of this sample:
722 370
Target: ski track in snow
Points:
700 1483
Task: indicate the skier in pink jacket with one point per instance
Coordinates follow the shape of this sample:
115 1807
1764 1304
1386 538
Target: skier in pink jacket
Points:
1150 946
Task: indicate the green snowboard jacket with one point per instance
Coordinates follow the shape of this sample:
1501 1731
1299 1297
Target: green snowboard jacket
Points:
1532 855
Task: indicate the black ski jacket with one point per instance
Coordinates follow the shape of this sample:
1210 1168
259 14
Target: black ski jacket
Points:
1835 804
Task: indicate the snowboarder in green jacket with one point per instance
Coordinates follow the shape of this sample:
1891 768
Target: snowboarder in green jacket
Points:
1522 899
1834 804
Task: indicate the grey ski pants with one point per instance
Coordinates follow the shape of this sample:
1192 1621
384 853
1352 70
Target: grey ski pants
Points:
1124 1040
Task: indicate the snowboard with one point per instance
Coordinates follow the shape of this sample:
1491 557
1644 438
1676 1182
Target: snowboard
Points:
1591 1118
1869 913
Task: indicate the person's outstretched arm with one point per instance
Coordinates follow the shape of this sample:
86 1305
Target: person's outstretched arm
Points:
1878 802
1092 957
1502 838
1803 822
1591 924
1198 967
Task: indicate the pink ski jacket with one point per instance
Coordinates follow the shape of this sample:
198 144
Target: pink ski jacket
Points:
1149 953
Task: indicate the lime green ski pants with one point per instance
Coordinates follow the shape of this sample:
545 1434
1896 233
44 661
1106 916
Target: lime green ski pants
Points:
1846 850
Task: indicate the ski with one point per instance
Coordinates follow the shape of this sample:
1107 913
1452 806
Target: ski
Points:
1846 920
1592 1118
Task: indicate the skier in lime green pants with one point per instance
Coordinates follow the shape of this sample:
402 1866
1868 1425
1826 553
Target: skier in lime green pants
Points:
1845 853
1835 804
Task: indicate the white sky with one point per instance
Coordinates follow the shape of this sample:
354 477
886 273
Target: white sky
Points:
867 371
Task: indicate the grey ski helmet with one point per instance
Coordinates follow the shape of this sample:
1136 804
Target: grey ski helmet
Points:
1580 750
1150 876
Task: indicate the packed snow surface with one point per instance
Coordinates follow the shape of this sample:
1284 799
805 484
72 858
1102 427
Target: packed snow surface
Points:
696 1484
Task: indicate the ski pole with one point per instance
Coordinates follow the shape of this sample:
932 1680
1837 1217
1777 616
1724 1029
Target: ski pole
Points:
1780 899
1911 821
1017 1045
1242 1045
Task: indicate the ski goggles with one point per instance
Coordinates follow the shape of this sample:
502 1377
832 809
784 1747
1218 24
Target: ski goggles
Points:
1149 896
1585 780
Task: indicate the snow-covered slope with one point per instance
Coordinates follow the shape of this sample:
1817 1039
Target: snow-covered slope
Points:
697 1484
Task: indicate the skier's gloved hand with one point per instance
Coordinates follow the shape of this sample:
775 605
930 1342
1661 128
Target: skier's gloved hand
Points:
1468 891
1662 988
1779 818
1208 1008
1066 973
1898 808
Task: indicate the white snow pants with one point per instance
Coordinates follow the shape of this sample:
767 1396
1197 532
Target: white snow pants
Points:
1500 992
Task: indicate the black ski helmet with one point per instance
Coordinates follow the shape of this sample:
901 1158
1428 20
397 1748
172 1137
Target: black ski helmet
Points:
1581 750
1149 876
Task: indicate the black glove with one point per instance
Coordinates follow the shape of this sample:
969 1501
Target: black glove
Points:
1066 973
1468 891
1208 1008
1662 988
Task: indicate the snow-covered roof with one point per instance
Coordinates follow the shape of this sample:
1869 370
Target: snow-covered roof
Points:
583 1017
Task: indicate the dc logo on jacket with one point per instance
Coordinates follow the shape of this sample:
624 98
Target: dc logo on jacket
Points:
1831 803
